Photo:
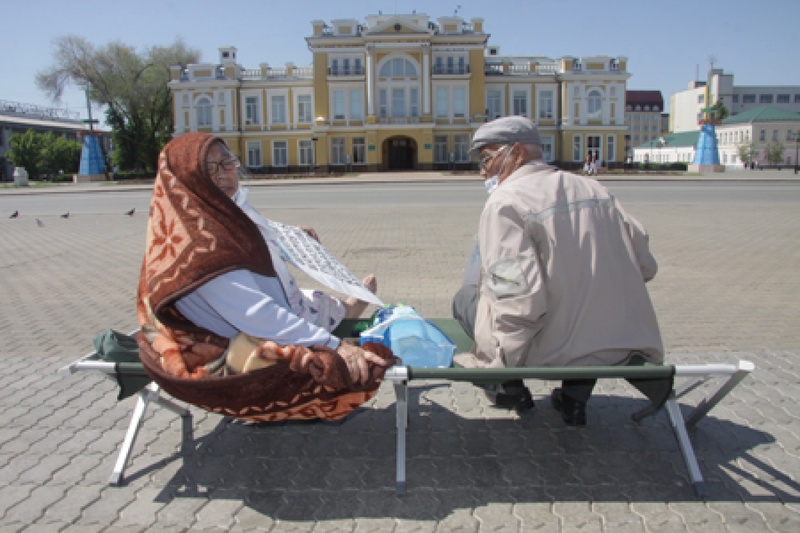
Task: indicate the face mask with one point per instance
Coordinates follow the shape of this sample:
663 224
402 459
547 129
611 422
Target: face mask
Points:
492 183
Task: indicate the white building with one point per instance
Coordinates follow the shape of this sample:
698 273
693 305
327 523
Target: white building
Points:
685 106
763 126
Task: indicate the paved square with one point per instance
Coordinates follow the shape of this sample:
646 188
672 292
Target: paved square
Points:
728 288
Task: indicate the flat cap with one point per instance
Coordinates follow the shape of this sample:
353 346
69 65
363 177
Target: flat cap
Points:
505 130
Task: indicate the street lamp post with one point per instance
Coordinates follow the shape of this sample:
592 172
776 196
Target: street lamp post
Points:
314 155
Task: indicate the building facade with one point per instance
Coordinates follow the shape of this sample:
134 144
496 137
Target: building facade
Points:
644 112
400 92
760 126
686 106
17 118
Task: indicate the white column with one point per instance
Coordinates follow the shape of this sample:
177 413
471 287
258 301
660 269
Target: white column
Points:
370 81
426 79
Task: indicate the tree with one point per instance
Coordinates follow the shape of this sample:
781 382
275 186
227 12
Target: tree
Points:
775 153
25 151
60 154
720 112
132 87
43 153
747 152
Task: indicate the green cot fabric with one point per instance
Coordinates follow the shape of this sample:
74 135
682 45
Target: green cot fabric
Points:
121 349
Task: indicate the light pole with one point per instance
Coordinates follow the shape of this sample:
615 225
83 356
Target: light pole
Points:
314 155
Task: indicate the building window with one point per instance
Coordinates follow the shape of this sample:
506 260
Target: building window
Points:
204 112
398 67
765 99
774 135
611 148
701 98
594 103
359 151
280 154
278 104
413 102
547 148
735 98
763 136
398 103
251 110
461 148
782 99
305 113
254 154
493 104
797 99
748 99
440 149
357 104
305 149
337 151
382 103
546 104
338 105
441 102
459 102
520 103
577 148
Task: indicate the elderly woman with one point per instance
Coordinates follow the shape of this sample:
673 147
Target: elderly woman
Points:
216 296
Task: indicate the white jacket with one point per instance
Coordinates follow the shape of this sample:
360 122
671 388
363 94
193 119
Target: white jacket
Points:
563 272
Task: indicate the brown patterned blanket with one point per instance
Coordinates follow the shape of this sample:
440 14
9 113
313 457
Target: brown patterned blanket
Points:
195 233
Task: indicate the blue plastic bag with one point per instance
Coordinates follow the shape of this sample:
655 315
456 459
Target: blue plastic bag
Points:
416 341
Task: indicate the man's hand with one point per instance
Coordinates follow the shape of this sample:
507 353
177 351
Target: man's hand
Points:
357 361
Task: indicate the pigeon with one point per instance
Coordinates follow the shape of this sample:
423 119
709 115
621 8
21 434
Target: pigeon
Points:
15 214
39 223
131 212
65 215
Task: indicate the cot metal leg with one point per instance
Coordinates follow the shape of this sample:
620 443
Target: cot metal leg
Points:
687 450
709 402
147 395
401 409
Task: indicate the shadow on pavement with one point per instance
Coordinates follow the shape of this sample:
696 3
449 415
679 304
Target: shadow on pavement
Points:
303 471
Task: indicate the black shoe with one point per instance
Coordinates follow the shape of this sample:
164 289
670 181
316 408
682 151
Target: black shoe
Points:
573 411
511 395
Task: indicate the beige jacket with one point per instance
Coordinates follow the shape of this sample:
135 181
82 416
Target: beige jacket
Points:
563 272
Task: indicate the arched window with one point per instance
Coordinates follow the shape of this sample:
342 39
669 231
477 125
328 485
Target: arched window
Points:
398 67
594 102
203 112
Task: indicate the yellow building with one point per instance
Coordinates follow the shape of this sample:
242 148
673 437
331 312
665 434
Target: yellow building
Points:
400 92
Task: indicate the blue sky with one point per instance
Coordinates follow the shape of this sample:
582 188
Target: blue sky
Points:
666 42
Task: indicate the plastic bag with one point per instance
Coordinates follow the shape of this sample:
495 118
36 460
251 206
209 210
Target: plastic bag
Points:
416 341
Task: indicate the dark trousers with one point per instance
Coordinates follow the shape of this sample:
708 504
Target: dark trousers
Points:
465 309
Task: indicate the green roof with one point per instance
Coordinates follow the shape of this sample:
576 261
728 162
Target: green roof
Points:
683 138
763 114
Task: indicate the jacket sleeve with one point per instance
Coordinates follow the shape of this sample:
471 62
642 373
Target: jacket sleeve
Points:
513 282
640 241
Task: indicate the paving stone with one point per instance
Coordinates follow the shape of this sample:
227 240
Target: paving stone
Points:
471 467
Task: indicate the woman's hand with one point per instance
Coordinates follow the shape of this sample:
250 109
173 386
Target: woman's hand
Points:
310 232
358 361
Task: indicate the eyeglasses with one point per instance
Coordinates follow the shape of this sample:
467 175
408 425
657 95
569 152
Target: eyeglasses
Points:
484 161
214 167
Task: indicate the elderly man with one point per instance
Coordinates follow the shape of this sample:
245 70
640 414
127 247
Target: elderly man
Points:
560 273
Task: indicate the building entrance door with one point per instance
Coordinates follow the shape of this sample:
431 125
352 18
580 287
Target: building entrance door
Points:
399 153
